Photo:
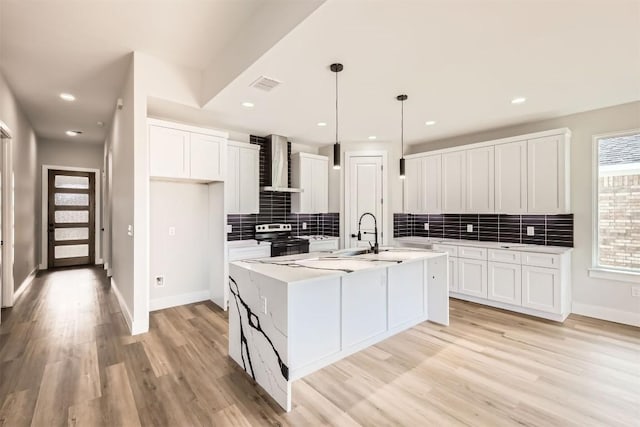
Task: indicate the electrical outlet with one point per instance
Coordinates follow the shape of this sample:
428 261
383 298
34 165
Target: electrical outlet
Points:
469 228
172 231
426 226
229 228
531 231
130 230
159 281
304 225
264 304
635 291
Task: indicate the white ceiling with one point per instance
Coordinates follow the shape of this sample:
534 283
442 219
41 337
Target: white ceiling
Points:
460 62
82 47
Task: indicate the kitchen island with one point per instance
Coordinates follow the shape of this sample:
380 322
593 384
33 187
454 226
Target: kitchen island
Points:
290 316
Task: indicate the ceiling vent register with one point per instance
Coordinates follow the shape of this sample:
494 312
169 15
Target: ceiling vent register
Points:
266 84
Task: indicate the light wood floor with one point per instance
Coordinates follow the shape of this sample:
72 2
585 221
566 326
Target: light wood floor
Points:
66 358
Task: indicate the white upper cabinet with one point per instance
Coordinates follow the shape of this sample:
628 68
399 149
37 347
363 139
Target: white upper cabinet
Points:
432 184
310 172
413 186
511 177
182 152
479 190
242 193
423 184
168 152
205 157
525 174
454 181
548 175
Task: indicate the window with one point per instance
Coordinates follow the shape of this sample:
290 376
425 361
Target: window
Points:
617 202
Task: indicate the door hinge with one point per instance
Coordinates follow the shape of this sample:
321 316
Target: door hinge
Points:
381 201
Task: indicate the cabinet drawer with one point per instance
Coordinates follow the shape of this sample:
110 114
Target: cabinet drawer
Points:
472 253
510 257
541 260
451 250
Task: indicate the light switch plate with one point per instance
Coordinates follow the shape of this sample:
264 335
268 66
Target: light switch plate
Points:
426 226
469 228
635 291
229 228
531 231
304 225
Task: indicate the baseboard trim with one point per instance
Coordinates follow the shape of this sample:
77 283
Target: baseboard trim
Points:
606 313
182 299
25 284
123 305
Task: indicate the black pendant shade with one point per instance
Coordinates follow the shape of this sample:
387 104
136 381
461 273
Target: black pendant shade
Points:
402 98
336 68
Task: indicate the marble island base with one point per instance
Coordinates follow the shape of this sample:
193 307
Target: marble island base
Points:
290 316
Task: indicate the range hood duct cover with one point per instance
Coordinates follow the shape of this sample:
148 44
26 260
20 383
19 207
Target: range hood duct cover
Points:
276 163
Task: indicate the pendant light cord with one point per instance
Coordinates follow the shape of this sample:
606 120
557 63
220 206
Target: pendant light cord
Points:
402 129
336 107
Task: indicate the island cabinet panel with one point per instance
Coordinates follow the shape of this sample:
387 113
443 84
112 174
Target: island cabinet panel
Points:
364 306
314 327
406 293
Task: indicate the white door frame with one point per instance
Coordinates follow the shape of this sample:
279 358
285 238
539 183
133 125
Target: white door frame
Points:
383 223
7 291
45 207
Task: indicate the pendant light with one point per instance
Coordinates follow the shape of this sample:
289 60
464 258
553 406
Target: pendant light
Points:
336 68
402 98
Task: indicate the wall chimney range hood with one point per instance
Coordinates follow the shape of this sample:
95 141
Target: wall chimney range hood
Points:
276 164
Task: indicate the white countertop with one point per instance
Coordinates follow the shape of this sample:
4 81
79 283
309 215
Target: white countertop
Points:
489 245
317 265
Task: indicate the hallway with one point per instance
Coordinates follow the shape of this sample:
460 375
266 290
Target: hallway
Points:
66 358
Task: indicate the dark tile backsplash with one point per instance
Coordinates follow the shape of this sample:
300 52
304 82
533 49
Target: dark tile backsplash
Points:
275 207
552 230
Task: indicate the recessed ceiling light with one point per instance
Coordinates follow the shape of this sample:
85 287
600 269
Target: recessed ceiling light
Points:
518 100
372 137
322 124
74 132
67 97
247 104
430 122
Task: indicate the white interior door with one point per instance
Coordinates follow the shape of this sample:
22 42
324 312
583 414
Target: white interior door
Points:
364 194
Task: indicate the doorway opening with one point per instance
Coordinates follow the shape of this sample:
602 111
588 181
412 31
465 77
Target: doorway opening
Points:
6 218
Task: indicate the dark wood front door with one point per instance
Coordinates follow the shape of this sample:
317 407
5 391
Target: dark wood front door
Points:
71 218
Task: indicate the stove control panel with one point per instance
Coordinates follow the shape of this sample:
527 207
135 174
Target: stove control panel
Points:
273 227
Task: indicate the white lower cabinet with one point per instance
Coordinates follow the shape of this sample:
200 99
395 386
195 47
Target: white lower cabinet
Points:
363 321
541 289
472 277
505 283
406 293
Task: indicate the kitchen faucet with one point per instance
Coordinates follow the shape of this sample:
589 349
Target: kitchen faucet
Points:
374 247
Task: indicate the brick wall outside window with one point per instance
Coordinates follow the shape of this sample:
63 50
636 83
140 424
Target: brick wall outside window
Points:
619 221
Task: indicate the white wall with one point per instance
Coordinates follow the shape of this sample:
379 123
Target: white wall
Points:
121 143
24 148
595 297
183 259
68 154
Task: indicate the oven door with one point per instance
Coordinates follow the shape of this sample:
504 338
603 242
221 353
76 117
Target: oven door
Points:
289 248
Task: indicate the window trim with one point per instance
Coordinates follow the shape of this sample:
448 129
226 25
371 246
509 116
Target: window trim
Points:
597 270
